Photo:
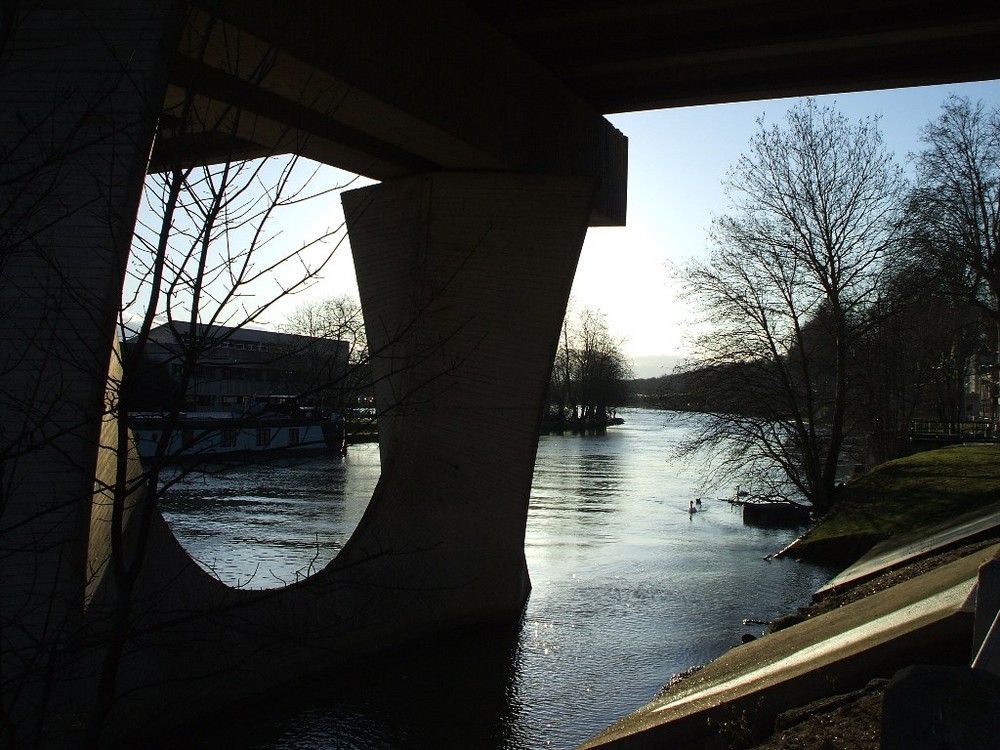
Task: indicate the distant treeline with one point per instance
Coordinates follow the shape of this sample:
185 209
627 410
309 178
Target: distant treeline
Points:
673 391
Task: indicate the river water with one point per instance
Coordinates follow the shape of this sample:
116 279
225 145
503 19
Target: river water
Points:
628 590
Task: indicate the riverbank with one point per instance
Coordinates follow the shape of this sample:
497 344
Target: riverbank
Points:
904 602
903 496
851 721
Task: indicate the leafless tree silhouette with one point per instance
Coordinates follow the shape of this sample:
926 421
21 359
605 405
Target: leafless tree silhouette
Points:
811 236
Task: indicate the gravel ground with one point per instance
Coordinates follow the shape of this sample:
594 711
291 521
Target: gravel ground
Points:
844 722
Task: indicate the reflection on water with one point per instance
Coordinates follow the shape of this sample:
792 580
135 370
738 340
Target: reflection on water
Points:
266 525
628 590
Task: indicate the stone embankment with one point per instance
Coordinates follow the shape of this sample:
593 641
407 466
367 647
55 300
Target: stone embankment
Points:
851 721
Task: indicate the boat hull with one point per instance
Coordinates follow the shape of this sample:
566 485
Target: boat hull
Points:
236 438
777 513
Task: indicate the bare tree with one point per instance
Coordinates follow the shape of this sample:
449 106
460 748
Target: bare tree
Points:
955 205
589 373
207 262
955 208
338 319
912 360
811 233
333 318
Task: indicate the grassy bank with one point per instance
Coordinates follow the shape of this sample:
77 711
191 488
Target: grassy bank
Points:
903 496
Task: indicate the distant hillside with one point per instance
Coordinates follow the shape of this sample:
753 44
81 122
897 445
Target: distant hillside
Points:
663 392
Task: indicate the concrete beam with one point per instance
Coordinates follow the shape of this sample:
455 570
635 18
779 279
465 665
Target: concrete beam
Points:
464 281
391 88
81 86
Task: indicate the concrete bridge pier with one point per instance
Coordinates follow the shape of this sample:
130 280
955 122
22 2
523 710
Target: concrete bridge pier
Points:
82 86
464 280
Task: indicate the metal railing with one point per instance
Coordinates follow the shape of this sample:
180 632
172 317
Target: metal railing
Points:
980 429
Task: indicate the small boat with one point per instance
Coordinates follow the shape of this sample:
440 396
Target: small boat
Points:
770 510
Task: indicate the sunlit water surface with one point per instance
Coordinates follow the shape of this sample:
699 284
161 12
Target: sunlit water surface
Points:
628 590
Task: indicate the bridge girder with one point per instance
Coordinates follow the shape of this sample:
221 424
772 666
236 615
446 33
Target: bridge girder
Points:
372 88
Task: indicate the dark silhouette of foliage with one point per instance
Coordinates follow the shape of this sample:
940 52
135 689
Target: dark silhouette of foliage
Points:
588 375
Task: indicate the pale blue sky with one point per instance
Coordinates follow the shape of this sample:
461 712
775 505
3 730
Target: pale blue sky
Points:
677 161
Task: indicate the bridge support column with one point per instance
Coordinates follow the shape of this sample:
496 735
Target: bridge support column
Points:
82 86
464 280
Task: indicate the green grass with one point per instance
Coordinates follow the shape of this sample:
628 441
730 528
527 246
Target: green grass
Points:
905 495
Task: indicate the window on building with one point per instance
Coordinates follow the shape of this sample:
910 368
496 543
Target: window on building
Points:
293 435
263 437
229 438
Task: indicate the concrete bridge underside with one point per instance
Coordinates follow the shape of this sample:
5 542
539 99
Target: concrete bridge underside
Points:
493 159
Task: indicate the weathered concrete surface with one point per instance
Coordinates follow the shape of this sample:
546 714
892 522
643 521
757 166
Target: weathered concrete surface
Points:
393 88
82 85
905 548
925 618
941 708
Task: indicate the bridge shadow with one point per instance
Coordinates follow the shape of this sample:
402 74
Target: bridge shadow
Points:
456 689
